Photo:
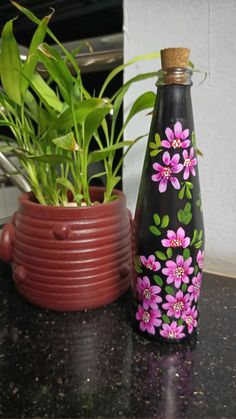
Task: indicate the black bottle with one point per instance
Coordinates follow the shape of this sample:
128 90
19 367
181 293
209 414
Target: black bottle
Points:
169 231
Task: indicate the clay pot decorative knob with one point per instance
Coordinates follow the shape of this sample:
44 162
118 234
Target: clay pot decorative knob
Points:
61 231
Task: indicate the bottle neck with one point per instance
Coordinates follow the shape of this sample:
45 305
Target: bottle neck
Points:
175 75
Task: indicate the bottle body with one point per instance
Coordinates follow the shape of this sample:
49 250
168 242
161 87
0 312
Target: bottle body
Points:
169 231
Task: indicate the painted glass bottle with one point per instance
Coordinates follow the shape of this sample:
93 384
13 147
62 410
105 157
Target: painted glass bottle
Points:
168 225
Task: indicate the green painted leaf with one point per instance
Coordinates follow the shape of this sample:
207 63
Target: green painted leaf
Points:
181 192
138 269
200 235
156 219
184 287
187 219
154 230
195 235
189 185
195 270
165 221
169 252
188 194
155 152
10 63
152 145
194 139
180 322
158 140
181 215
169 290
198 244
186 253
165 319
199 152
158 280
187 207
161 255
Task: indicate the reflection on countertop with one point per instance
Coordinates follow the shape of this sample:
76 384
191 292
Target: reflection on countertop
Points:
92 364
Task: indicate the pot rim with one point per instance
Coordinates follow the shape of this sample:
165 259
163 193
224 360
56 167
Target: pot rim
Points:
28 207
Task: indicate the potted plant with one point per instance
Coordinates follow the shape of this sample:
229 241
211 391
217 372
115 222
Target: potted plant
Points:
69 243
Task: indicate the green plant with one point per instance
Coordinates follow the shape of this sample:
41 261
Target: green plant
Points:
53 128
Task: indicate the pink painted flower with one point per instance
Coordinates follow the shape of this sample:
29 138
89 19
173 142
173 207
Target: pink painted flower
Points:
200 259
177 239
147 293
178 271
190 318
150 263
177 305
189 162
165 173
194 288
172 331
148 319
176 139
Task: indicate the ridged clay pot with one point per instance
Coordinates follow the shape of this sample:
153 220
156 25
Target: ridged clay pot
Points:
70 258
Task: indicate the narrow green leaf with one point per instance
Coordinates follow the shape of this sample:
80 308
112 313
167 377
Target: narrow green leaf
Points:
10 63
200 234
45 92
195 270
154 230
66 142
155 152
158 280
165 319
98 155
120 68
184 287
31 61
198 244
138 269
169 290
156 219
158 140
194 139
160 255
180 322
93 121
186 253
181 192
165 221
187 218
6 148
152 145
144 101
188 194
181 215
195 236
50 158
169 252
189 185
199 152
66 184
187 207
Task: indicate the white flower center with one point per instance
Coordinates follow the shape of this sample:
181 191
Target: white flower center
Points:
196 287
178 306
149 266
179 272
177 143
189 320
176 243
146 317
187 162
147 294
171 334
167 172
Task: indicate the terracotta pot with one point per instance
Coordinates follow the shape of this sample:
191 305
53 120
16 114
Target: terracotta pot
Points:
70 258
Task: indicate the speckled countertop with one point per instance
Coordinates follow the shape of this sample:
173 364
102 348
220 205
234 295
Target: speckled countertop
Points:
92 364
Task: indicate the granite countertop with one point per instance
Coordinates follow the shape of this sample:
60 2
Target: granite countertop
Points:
93 365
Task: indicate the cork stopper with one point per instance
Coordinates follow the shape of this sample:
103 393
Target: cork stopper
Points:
175 57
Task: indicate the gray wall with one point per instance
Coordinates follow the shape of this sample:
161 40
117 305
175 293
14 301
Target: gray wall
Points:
208 28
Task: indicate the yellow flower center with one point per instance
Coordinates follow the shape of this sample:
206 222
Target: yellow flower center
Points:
189 320
147 294
167 172
179 272
177 143
187 162
178 306
176 243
